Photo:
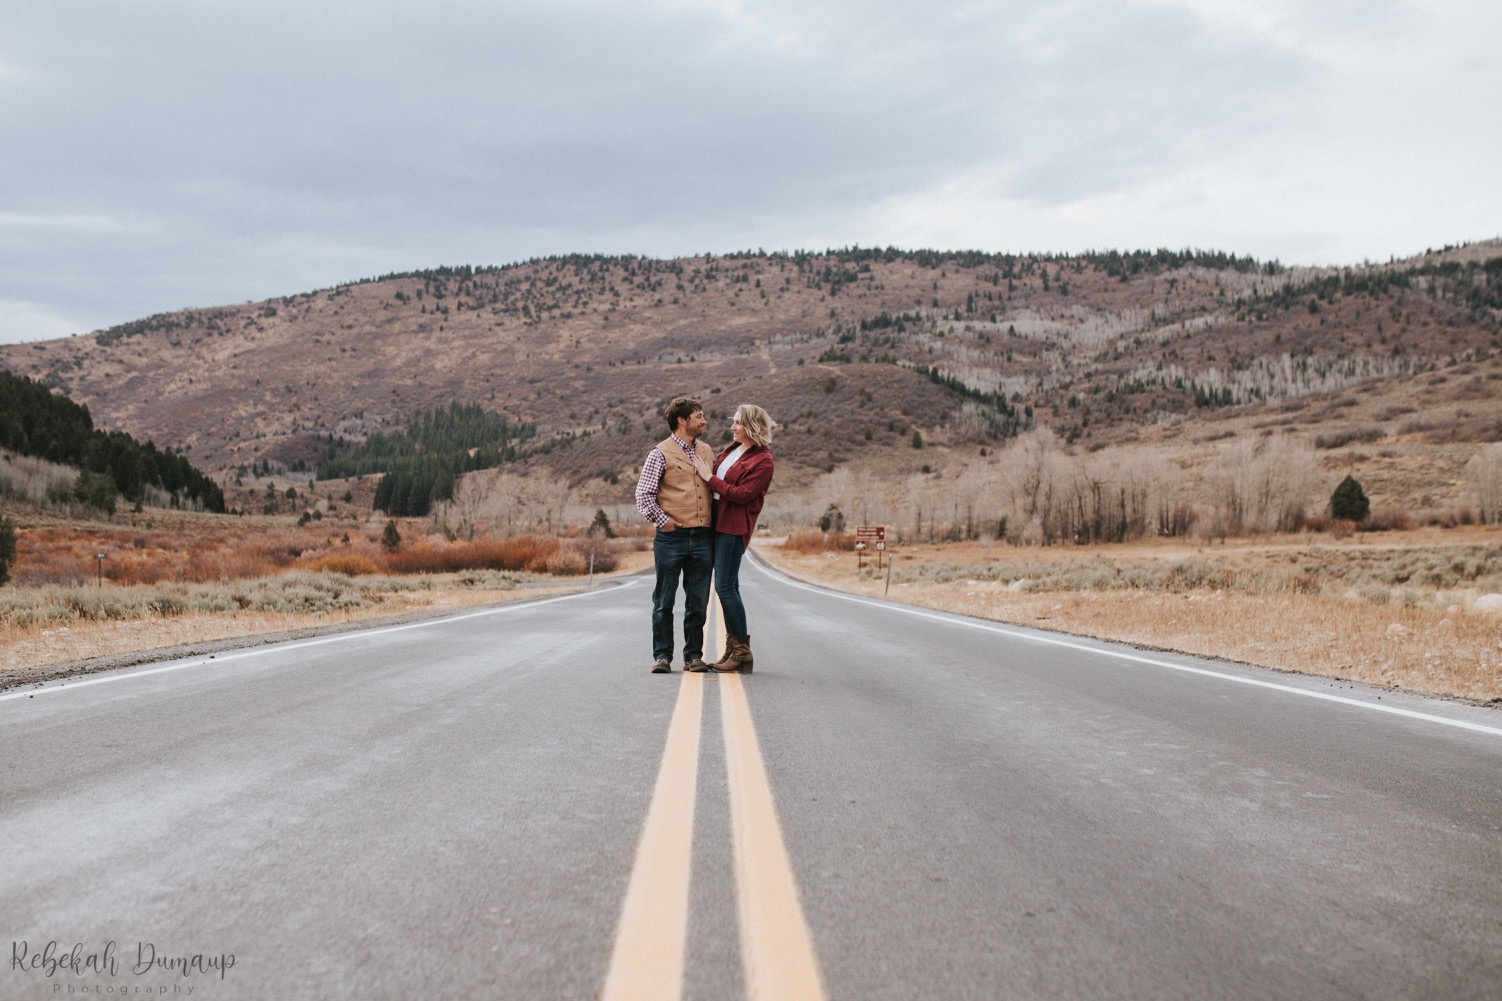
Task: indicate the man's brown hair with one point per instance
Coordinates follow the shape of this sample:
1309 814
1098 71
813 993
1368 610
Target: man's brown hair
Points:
681 409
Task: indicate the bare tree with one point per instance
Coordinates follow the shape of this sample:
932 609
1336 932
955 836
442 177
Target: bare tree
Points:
1484 472
1263 484
506 503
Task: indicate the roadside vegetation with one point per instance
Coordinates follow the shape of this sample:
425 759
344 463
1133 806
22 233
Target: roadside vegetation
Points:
1258 551
169 577
1037 491
57 624
1418 609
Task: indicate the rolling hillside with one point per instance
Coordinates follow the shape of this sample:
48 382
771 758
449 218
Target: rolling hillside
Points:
859 353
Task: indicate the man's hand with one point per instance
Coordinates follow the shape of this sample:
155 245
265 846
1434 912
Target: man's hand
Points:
669 525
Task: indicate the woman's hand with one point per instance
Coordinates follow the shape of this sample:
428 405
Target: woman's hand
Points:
701 467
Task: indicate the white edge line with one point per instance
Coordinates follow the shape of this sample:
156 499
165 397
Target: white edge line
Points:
69 686
957 619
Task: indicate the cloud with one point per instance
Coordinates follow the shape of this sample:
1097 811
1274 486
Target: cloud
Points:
31 321
171 153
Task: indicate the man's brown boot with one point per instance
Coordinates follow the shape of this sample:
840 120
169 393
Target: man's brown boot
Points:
737 657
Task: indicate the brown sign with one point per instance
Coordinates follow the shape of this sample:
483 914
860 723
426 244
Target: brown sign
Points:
870 537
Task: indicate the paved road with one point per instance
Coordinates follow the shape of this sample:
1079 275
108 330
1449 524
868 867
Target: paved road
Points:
967 810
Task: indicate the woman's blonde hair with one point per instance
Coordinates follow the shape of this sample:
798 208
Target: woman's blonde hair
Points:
755 422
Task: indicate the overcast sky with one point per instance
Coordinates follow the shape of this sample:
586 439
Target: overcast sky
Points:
158 154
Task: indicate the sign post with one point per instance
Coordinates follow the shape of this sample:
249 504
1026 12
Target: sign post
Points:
870 538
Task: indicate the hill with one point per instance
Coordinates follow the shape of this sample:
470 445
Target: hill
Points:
859 353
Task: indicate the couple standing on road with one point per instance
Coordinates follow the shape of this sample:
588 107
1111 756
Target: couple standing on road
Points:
705 508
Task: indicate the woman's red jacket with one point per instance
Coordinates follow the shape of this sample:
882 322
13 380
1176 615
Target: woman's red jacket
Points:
742 492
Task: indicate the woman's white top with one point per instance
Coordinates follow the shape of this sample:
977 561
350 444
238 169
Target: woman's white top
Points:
727 462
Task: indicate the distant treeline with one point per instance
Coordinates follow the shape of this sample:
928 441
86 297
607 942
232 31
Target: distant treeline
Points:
1116 263
1132 261
422 461
1473 285
35 421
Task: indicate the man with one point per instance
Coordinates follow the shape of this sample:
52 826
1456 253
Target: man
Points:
672 496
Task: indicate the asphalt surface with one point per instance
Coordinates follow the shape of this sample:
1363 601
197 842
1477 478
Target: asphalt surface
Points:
451 809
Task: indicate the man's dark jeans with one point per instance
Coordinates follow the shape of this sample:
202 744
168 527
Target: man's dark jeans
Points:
689 553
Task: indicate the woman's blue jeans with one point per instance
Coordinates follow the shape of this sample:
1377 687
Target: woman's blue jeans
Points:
727 581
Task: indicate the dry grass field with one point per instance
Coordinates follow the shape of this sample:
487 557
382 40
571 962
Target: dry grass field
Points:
173 578
60 625
48 626
1396 608
161 546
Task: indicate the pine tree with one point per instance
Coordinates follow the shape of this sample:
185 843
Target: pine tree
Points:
382 494
1349 502
401 493
390 537
833 519
36 421
7 548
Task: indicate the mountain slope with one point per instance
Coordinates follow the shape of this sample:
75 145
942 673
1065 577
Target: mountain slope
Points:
852 351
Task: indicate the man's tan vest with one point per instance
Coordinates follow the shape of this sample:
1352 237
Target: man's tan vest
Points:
683 495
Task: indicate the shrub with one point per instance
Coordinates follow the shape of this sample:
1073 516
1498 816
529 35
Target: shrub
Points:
428 559
232 563
214 600
843 542
1446 517
808 541
566 562
1387 519
348 564
1337 439
813 541
104 604
1192 574
300 596
604 553
131 569
165 604
1315 523
522 552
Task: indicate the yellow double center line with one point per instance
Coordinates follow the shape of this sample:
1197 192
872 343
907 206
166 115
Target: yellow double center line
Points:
777 952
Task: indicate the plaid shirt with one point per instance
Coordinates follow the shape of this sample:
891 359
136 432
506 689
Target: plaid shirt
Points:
651 482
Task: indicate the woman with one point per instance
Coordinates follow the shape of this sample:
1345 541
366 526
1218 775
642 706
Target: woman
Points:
739 479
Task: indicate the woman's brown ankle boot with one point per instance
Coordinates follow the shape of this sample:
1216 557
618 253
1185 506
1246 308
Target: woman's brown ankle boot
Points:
737 657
